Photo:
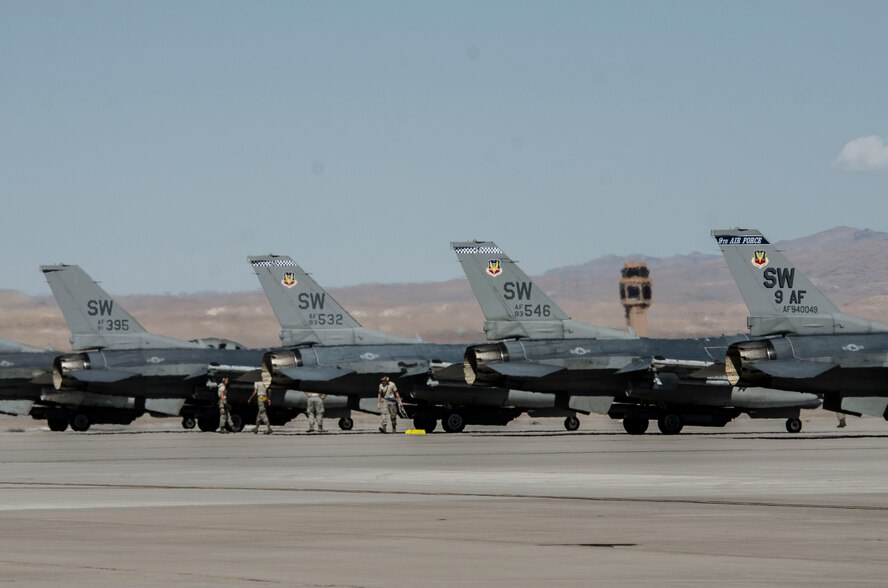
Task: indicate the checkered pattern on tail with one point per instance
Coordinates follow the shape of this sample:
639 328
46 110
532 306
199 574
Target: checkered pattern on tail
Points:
478 250
273 263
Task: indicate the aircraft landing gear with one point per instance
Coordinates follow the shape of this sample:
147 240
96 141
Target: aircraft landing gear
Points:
428 425
571 423
80 422
635 426
793 425
670 424
188 422
237 423
207 424
57 423
454 423
346 423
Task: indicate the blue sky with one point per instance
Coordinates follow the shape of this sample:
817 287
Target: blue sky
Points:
157 144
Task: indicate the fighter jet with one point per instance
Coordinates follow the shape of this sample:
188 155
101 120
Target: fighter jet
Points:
24 374
538 347
804 342
117 360
329 351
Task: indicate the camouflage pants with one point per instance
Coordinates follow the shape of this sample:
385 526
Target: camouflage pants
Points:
224 418
315 413
389 411
262 418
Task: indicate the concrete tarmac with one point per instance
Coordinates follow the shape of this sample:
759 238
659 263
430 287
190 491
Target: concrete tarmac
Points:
527 505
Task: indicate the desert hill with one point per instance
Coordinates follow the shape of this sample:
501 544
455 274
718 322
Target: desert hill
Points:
693 295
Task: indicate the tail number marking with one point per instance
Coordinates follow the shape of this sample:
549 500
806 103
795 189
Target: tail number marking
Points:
531 310
111 325
322 319
784 278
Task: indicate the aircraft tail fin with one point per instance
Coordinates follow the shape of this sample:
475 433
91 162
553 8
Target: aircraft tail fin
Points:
95 319
513 306
779 297
307 313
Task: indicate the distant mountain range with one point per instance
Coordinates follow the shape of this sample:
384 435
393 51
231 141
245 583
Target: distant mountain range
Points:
694 295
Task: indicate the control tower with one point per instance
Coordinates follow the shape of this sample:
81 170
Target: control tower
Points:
635 295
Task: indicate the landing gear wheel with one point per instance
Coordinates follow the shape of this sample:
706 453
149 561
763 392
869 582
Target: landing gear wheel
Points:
188 422
571 423
670 424
428 425
454 423
207 424
80 422
237 423
793 425
635 426
346 423
57 423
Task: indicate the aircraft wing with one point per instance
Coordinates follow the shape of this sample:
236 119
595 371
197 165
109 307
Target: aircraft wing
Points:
524 369
100 376
314 374
794 368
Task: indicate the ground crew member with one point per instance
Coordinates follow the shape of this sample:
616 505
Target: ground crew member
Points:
225 424
315 412
841 418
260 391
389 397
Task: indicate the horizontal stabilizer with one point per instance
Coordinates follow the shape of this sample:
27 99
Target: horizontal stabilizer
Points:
44 379
636 365
794 368
314 374
523 369
449 372
100 376
418 369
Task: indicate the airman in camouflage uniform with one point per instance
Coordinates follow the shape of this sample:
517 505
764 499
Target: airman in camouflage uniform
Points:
225 424
387 401
315 412
260 392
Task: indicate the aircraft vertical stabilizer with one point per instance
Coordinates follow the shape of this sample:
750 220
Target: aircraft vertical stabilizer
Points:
306 312
95 319
513 306
780 298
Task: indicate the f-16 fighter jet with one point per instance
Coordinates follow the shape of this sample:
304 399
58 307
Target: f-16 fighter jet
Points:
329 351
805 342
115 357
675 382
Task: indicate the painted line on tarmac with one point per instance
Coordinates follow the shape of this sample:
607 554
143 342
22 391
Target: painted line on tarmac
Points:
691 501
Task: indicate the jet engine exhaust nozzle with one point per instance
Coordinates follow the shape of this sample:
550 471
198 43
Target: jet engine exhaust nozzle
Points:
276 360
62 367
476 364
741 360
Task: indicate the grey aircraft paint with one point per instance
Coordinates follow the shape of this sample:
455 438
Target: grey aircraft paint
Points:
673 380
805 343
115 356
331 352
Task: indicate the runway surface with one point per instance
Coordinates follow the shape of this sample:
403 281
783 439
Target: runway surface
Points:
527 505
